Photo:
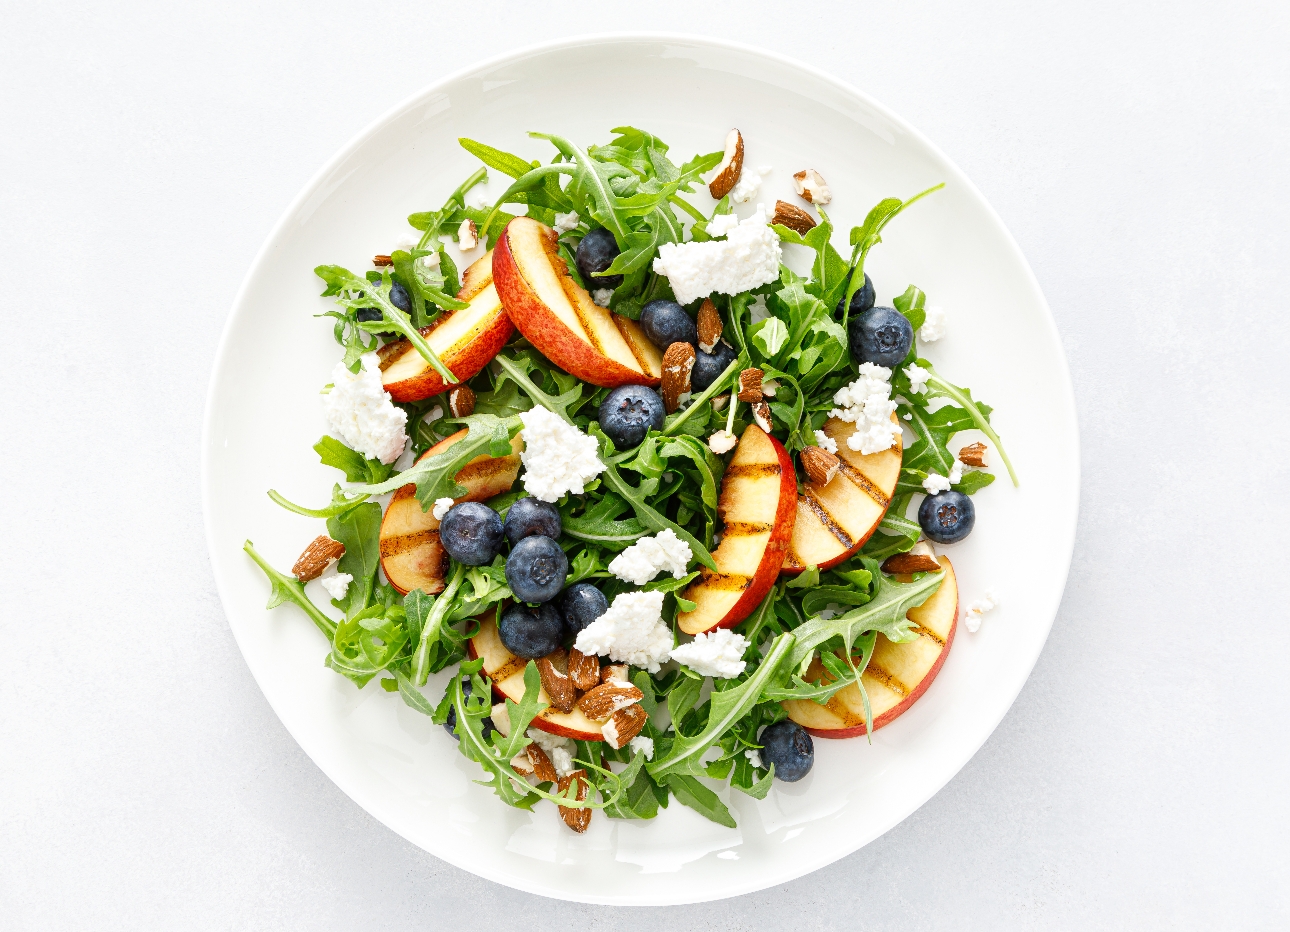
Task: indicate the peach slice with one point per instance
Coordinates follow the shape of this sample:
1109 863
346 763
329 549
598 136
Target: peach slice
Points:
506 671
834 520
464 340
411 554
897 675
758 498
559 317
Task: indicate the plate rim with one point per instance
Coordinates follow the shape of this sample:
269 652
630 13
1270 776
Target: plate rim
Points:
310 189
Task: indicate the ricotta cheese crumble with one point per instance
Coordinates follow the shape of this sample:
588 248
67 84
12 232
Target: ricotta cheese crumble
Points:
360 413
631 631
565 222
978 608
754 757
933 324
748 185
441 506
644 744
917 376
557 457
749 256
602 296
935 483
722 224
646 558
337 586
825 442
867 404
717 653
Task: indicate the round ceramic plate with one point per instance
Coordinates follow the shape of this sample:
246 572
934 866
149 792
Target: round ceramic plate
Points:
263 416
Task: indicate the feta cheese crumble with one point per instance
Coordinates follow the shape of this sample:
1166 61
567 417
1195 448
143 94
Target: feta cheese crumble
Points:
557 457
749 256
917 376
721 224
714 653
723 441
956 473
825 442
748 186
602 296
631 631
646 558
644 744
360 413
978 608
565 222
441 507
933 324
754 758
408 240
560 750
337 586
935 483
867 403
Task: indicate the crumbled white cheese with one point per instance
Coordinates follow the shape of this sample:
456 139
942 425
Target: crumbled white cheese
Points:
757 311
467 238
565 222
643 744
646 558
918 377
631 631
560 750
867 403
721 224
441 506
360 413
408 240
714 653
430 261
723 441
748 186
557 457
956 473
501 719
933 324
749 256
754 757
825 442
978 608
602 296
936 483
337 585
909 417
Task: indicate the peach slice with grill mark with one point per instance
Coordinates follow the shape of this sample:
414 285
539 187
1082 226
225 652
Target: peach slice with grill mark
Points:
758 499
559 317
834 520
897 675
411 554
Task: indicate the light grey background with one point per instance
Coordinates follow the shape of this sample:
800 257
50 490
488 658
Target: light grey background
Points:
1138 152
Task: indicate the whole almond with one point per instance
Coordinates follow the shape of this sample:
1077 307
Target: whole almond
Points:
559 687
600 703
792 217
820 465
576 819
750 385
677 363
319 555
624 725
921 558
732 164
973 455
461 401
584 669
709 326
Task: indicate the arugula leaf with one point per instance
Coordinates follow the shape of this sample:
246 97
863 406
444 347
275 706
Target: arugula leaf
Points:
504 162
692 793
556 404
359 529
289 589
412 697
431 621
355 466
653 519
340 503
912 304
869 234
769 336
599 524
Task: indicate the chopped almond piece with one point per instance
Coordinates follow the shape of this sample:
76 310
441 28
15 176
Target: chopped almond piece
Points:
319 555
467 236
576 819
761 414
543 769
732 164
607 698
556 681
812 187
584 670
792 217
709 326
624 725
820 465
461 401
973 455
614 671
750 385
521 764
380 261
677 363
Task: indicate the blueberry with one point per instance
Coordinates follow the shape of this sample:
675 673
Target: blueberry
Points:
471 533
665 323
881 335
369 314
947 517
530 516
627 414
596 252
531 632
707 366
451 724
787 745
536 570
399 298
861 301
581 604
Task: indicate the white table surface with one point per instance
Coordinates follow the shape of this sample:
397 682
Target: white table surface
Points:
1138 153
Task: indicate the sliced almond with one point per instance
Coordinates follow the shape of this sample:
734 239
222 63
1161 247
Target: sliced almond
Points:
761 414
614 671
709 324
732 164
973 455
811 186
677 363
584 669
750 385
820 465
607 698
461 401
555 680
543 769
576 819
921 558
624 725
381 261
467 235
793 217
319 555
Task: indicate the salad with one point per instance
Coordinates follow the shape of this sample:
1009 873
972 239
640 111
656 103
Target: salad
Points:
643 488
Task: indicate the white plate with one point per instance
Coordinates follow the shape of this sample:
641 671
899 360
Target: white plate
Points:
263 416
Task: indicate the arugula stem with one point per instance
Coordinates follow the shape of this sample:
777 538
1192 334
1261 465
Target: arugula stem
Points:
862 250
689 208
523 183
457 197
334 511
403 324
977 418
288 588
706 395
434 621
730 418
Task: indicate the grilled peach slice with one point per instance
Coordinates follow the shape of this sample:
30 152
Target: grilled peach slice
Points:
558 316
897 675
757 504
834 520
411 554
